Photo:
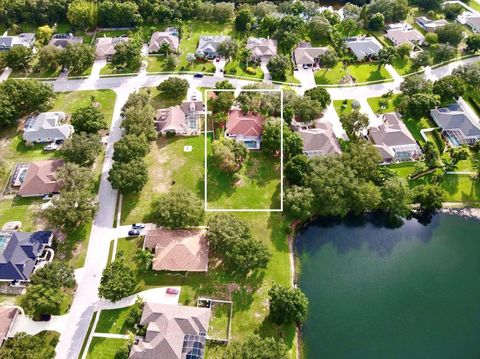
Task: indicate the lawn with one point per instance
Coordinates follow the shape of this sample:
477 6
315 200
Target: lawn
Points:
159 100
110 69
376 103
403 65
218 326
361 72
237 68
169 167
343 106
33 74
113 321
156 64
415 125
105 348
257 185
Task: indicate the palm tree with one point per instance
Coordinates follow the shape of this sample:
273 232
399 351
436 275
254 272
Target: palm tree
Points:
246 56
144 258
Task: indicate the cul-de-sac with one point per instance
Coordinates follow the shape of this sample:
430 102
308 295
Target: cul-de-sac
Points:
244 179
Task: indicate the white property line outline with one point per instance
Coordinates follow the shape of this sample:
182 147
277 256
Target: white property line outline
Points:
206 153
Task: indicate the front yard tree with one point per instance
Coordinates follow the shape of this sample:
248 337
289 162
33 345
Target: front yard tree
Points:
82 148
354 123
299 202
144 258
222 102
256 347
429 196
422 59
25 346
470 74
89 119
386 56
130 147
230 240
19 58
83 14
451 33
48 58
77 58
118 280
174 88
128 177
42 300
229 155
178 209
419 104
278 66
443 52
245 19
128 55
473 42
449 88
170 62
307 110
404 50
319 94
287 305
395 197
415 84
228 48
376 22
328 59
56 274
223 85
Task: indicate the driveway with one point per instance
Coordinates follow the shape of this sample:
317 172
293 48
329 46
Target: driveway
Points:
23 323
306 78
97 66
219 67
155 295
266 73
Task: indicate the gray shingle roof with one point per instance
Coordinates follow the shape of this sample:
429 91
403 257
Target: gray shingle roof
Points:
364 46
457 117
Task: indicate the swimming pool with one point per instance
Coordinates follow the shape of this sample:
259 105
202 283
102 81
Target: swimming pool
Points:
250 144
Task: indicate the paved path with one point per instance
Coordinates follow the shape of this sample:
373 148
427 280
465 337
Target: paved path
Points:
5 74
156 295
397 78
373 119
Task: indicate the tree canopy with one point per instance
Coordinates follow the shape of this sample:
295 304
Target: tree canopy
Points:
89 119
128 177
179 208
287 304
81 148
174 88
118 280
229 155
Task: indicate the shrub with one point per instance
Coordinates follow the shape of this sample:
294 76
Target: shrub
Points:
250 70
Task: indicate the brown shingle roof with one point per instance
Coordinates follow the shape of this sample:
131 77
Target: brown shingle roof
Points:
41 178
178 250
7 316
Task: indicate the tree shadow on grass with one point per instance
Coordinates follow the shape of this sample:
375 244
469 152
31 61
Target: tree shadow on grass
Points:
129 203
285 332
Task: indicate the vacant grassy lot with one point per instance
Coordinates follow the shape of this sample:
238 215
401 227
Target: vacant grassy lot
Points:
105 348
113 321
237 68
383 105
361 72
256 187
169 167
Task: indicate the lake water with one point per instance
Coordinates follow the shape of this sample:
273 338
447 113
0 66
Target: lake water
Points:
376 292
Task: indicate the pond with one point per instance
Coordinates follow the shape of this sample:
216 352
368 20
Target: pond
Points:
378 292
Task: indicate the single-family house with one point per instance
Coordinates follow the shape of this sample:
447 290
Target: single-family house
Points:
245 127
105 47
47 127
20 253
306 55
172 332
182 250
169 36
459 123
208 45
40 179
473 21
7 318
393 140
182 119
319 140
262 49
26 39
364 47
62 40
430 25
404 34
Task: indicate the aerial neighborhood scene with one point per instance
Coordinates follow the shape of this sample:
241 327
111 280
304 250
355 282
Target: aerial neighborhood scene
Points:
189 179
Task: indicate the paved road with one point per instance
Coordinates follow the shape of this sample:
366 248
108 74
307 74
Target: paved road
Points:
86 296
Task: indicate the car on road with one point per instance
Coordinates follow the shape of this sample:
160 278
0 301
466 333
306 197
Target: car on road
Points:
198 75
133 232
138 226
172 291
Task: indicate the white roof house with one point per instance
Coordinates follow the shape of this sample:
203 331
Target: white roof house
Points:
364 47
404 34
105 46
393 140
47 127
160 37
24 39
262 48
430 25
208 45
305 54
473 21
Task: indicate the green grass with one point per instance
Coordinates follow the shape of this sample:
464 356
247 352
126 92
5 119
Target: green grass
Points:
237 68
361 72
105 348
342 106
110 69
474 4
89 330
415 125
375 104
403 65
156 64
218 326
167 163
159 100
113 321
257 188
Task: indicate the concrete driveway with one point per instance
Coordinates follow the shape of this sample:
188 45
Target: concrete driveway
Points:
306 78
23 323
219 67
266 73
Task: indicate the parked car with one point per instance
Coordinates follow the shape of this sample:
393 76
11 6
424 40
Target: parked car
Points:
50 147
138 225
59 141
305 66
172 291
198 75
133 232
194 97
217 59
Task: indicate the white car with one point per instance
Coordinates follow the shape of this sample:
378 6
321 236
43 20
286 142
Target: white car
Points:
51 147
